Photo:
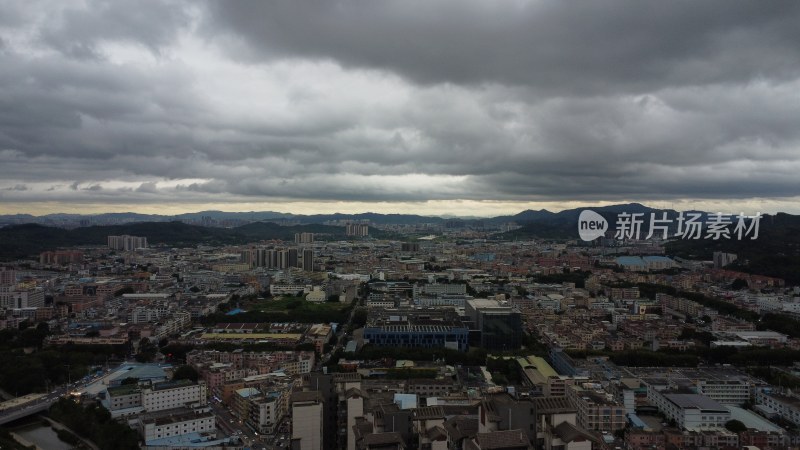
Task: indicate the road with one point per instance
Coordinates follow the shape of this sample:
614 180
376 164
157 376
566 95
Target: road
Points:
340 335
43 403
231 426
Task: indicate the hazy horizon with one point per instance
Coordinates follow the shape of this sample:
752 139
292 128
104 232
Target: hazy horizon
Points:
460 209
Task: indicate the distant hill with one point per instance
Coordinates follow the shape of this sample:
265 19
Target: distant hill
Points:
76 220
564 225
21 241
775 253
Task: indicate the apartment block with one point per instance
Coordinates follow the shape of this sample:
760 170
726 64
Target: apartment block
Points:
173 394
597 409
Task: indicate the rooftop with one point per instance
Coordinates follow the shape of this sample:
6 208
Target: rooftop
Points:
695 401
501 439
176 416
306 396
171 384
549 405
247 392
123 389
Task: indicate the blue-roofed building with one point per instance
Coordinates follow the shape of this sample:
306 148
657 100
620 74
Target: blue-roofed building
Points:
658 262
143 372
632 263
241 401
405 401
266 411
234 312
645 263
193 440
638 423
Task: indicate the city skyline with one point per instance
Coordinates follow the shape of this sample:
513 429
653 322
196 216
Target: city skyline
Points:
434 108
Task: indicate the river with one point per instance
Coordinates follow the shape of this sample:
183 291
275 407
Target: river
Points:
43 437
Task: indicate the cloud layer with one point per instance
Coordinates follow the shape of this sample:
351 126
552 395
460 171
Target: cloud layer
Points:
155 102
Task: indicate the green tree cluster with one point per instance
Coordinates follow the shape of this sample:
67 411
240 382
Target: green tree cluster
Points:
506 367
473 357
22 373
94 422
185 372
147 351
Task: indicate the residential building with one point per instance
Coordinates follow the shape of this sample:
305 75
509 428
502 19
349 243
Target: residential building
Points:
597 410
173 394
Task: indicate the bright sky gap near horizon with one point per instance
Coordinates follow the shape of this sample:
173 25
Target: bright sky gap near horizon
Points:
470 108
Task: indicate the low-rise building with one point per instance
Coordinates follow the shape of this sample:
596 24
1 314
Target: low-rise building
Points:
689 411
597 409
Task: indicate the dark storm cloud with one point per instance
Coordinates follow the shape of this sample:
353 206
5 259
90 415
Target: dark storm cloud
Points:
398 100
564 48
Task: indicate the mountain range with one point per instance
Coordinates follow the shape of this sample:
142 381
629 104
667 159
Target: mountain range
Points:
217 217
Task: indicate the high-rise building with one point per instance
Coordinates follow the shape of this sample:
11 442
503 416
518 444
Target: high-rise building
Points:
303 238
260 259
722 259
248 256
307 420
271 259
283 259
308 260
61 257
498 325
126 242
292 262
357 229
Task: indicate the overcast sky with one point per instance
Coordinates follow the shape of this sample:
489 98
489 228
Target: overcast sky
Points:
431 107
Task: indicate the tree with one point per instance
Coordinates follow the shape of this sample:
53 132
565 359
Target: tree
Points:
32 337
125 290
739 284
185 372
43 327
735 426
360 317
176 352
147 351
